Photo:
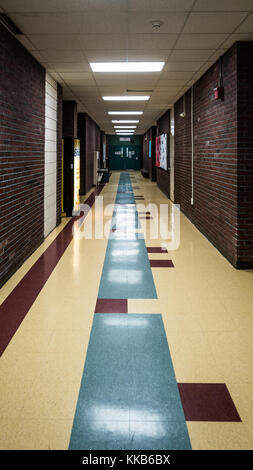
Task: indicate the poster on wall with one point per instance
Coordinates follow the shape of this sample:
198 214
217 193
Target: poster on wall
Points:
161 151
76 174
157 151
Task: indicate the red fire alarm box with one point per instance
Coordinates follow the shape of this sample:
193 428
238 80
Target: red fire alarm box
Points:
219 93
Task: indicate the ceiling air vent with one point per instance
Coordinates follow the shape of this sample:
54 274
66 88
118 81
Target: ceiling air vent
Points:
139 91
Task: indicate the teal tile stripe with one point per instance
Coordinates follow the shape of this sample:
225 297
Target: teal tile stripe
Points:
128 397
126 272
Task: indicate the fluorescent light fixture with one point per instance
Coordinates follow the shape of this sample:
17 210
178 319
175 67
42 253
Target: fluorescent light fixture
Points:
125 121
126 98
124 127
127 67
126 113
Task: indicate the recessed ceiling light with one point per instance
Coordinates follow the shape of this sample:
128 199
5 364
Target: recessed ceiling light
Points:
126 112
125 127
125 121
126 98
127 67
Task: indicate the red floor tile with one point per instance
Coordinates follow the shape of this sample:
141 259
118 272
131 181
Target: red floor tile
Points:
161 263
111 306
156 249
207 402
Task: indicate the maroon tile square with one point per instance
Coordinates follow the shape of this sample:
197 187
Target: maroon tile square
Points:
156 249
207 402
111 306
161 263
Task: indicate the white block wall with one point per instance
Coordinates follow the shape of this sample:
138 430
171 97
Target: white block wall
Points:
50 155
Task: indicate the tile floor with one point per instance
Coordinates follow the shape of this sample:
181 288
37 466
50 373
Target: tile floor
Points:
165 362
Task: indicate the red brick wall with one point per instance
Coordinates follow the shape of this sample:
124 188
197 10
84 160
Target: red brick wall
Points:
163 176
22 133
215 157
245 154
59 152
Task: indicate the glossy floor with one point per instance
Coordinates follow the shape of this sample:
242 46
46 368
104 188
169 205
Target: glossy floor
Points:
201 308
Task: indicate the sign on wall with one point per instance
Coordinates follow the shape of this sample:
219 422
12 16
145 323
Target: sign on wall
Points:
161 151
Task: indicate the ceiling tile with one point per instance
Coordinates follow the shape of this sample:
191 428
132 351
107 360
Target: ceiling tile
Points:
62 67
237 37
223 5
170 75
213 22
160 5
31 5
106 56
76 75
78 87
103 42
191 55
103 22
200 41
151 41
109 91
63 56
55 41
246 26
48 23
148 55
172 22
181 66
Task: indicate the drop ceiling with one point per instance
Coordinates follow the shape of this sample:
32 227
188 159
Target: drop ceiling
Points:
65 36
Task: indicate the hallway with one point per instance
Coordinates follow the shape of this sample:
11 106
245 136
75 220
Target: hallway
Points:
126 343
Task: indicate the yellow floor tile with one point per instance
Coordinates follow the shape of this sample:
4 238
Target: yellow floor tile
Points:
219 436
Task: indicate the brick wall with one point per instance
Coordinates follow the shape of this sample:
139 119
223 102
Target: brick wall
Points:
245 154
214 210
22 121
